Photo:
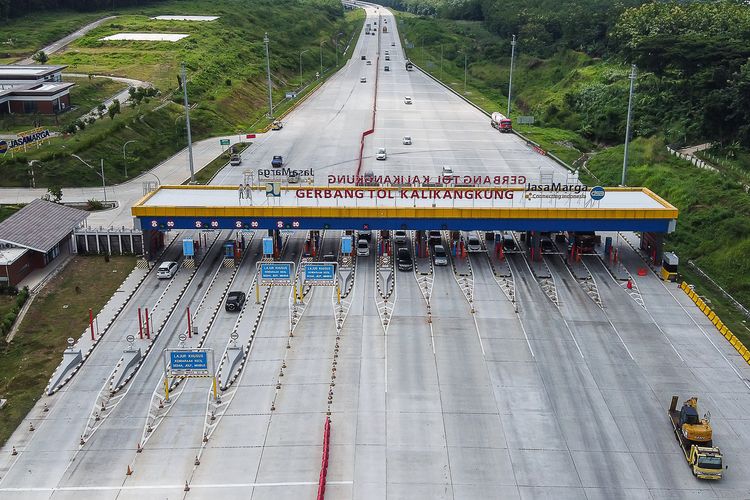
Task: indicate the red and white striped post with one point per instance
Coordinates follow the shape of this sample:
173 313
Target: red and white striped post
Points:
190 329
148 328
140 324
91 323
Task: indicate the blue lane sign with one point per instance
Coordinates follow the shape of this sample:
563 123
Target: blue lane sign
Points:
267 245
187 247
275 271
346 245
188 360
597 193
319 272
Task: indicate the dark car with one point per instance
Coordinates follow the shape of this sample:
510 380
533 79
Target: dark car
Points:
434 237
329 257
277 161
234 302
403 259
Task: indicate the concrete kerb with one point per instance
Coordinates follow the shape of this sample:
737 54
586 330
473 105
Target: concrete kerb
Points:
488 115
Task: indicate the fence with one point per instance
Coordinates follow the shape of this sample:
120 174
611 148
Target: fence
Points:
107 241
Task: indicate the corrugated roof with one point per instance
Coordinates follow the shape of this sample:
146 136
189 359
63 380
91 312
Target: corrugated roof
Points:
40 225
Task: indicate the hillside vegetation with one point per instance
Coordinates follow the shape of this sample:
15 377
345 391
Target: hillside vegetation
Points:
693 86
226 80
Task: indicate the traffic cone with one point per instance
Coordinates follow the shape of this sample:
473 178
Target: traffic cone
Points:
129 472
630 284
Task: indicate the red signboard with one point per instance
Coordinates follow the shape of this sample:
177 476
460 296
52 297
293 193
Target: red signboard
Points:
250 136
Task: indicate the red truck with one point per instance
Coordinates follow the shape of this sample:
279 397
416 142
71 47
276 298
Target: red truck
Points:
501 122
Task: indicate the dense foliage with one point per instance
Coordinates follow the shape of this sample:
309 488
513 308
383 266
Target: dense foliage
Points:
20 8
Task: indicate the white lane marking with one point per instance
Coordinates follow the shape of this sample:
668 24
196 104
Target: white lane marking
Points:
705 334
163 486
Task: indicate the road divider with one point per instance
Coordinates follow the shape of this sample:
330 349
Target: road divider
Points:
324 461
714 318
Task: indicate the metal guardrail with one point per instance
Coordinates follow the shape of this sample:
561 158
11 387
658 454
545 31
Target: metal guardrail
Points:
737 304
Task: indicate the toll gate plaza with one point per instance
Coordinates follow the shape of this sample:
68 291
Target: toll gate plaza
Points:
552 207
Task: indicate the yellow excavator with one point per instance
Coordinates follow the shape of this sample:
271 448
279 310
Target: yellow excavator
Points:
696 439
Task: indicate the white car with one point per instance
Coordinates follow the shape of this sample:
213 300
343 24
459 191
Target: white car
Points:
447 171
235 160
363 248
439 256
406 141
399 236
407 100
474 244
381 154
363 80
166 270
369 63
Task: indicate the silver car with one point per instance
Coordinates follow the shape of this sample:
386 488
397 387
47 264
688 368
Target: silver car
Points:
439 256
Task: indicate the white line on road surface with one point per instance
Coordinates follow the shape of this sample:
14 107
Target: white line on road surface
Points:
164 486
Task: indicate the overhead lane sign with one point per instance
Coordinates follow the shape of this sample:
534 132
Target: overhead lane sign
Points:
276 273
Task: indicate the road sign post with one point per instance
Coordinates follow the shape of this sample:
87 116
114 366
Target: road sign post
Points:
188 363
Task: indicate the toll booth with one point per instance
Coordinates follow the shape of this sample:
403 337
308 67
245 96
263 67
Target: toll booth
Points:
669 265
154 242
653 245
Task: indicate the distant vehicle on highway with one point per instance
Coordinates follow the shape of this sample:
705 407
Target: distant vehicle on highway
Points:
364 57
434 237
329 257
501 122
407 100
387 58
235 160
363 80
386 52
439 256
403 258
277 125
381 154
166 270
234 302
406 141
386 68
409 65
293 177
447 171
277 161
393 44
369 63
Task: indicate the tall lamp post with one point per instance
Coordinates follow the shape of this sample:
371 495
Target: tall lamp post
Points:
510 79
101 166
321 57
337 49
627 126
123 156
268 75
187 124
300 65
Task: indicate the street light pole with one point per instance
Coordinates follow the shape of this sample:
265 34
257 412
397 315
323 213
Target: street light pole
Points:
441 61
31 170
337 49
268 75
465 67
627 126
300 65
187 124
101 166
321 57
510 79
123 156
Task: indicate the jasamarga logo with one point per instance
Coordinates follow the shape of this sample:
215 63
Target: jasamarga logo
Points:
274 173
558 187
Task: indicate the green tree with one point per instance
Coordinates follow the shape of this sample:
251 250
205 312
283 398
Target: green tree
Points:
114 108
40 57
54 194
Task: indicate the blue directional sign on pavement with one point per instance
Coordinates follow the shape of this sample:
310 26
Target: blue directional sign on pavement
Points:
320 273
276 273
188 360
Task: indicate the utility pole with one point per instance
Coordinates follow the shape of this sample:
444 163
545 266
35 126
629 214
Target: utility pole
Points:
300 65
337 49
510 79
465 67
187 124
104 184
268 74
627 126
441 61
321 57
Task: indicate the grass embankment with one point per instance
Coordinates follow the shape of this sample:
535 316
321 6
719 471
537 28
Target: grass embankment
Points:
58 312
713 227
87 94
225 62
204 175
